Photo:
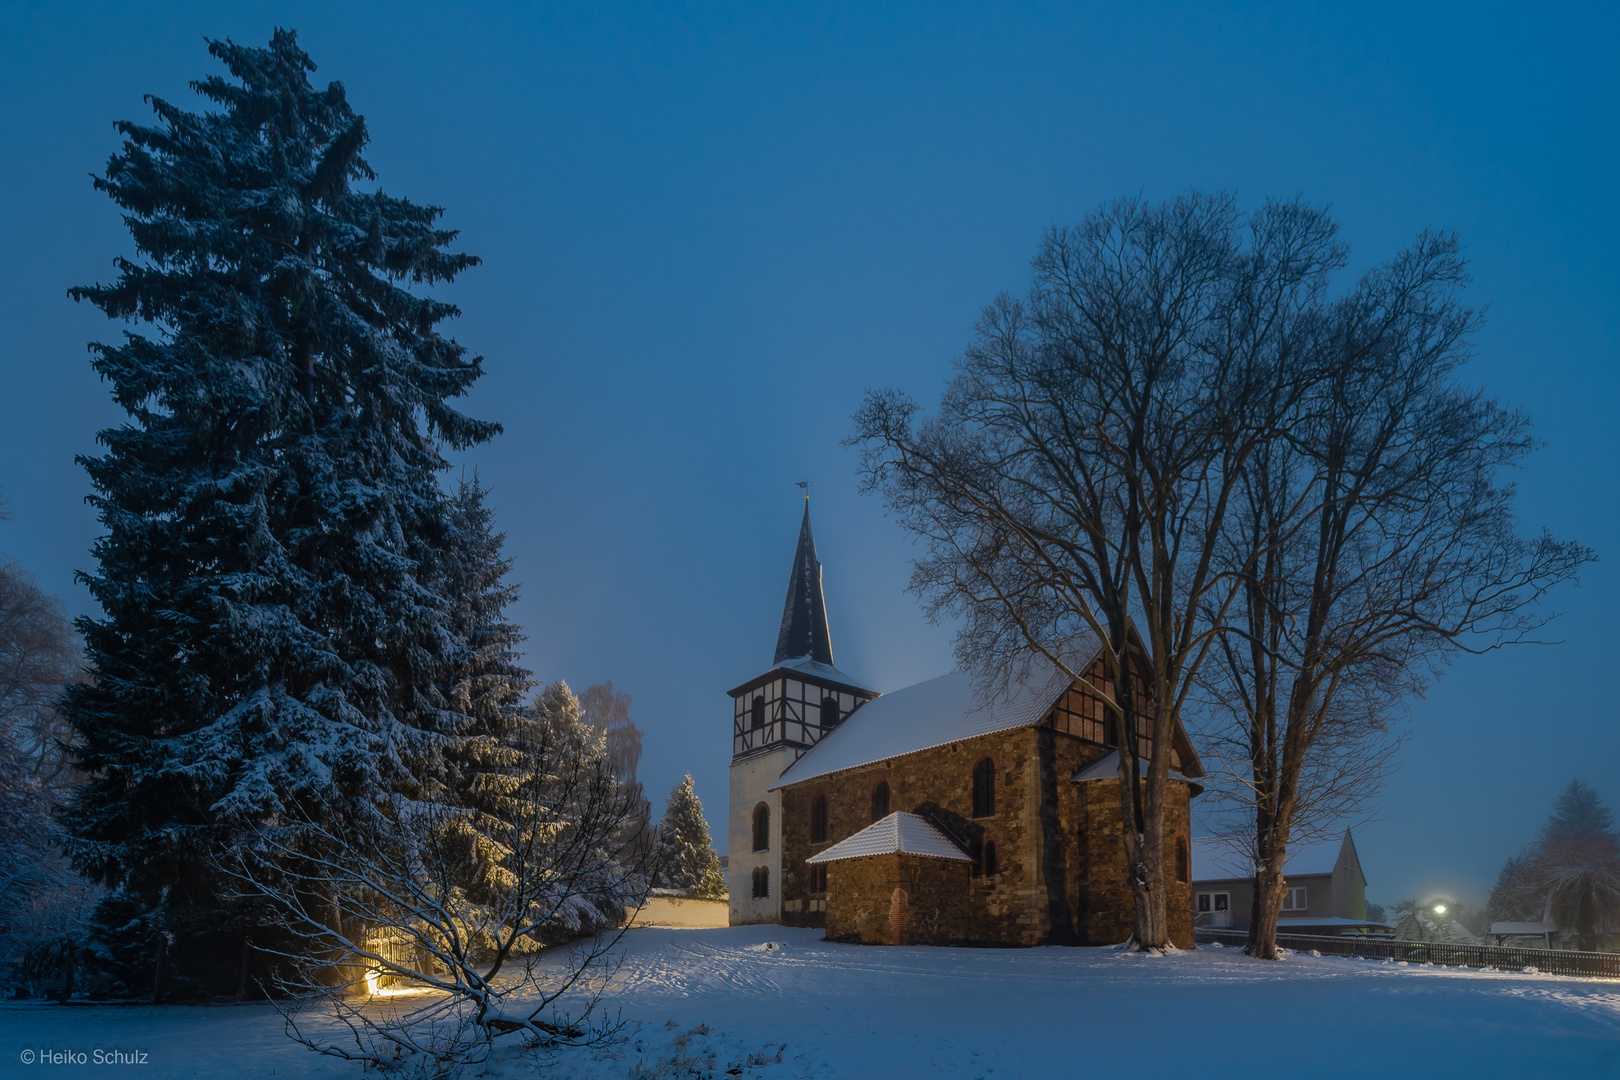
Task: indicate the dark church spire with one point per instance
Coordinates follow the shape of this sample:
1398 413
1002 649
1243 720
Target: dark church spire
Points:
804 616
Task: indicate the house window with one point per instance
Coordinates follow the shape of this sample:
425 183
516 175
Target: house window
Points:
989 862
1294 899
762 882
880 800
1183 860
818 820
1203 903
757 721
829 711
762 828
984 788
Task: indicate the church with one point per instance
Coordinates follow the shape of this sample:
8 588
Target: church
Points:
935 814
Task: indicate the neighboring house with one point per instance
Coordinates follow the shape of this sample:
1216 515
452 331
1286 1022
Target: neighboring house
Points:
1327 892
935 814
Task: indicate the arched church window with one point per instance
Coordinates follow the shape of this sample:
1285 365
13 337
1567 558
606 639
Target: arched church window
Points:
762 828
984 788
990 868
757 721
818 819
829 711
762 882
880 801
1183 860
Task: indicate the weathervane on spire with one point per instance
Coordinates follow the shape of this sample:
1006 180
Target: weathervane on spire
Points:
806 485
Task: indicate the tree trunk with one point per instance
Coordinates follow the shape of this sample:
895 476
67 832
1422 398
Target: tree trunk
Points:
70 963
1143 819
242 976
1268 895
161 969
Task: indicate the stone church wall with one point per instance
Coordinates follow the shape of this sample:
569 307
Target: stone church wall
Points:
1060 865
1110 913
898 900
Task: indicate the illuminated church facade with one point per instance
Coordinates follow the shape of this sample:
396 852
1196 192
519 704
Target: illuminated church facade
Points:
934 814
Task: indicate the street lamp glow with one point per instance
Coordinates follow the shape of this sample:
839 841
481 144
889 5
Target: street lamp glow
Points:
1439 909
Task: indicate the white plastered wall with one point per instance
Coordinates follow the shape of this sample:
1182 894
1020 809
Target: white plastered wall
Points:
751 780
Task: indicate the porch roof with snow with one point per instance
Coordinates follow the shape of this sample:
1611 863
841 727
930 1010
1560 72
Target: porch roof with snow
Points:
898 834
933 713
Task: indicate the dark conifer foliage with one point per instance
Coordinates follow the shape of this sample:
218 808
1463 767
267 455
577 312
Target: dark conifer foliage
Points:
273 568
483 680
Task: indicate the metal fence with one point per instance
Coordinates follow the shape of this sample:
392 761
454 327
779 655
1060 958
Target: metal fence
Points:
1605 965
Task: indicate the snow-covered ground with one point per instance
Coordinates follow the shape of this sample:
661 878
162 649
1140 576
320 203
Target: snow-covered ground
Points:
709 1001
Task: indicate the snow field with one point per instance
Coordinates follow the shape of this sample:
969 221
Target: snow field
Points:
771 1002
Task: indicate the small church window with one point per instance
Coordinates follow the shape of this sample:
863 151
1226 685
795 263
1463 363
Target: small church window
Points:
757 721
818 878
976 853
984 788
990 868
829 711
762 882
1183 860
880 801
818 819
762 828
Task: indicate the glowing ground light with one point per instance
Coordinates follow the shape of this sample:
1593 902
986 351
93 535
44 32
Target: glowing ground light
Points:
1439 909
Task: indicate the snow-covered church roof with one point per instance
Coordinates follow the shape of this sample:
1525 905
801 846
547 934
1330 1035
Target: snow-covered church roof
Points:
898 834
933 713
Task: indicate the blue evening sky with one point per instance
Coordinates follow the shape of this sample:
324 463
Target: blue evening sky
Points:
706 230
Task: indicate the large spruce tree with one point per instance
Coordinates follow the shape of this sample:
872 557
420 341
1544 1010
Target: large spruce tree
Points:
277 547
685 860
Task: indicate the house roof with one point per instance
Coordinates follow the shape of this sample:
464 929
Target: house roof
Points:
933 713
1107 768
1216 859
804 630
898 834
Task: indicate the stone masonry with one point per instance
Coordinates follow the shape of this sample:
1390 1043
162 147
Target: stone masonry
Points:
1060 875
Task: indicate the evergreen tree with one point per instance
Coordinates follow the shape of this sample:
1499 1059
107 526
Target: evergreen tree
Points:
483 681
1579 815
274 636
685 860
1570 876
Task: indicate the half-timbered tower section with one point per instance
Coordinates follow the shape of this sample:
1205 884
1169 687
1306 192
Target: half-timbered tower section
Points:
777 717
1024 784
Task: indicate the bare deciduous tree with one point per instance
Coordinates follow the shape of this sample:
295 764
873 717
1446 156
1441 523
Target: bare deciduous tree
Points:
43 903
463 904
1372 542
1077 477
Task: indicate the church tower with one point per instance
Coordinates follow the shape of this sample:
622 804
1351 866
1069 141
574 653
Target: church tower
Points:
776 717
